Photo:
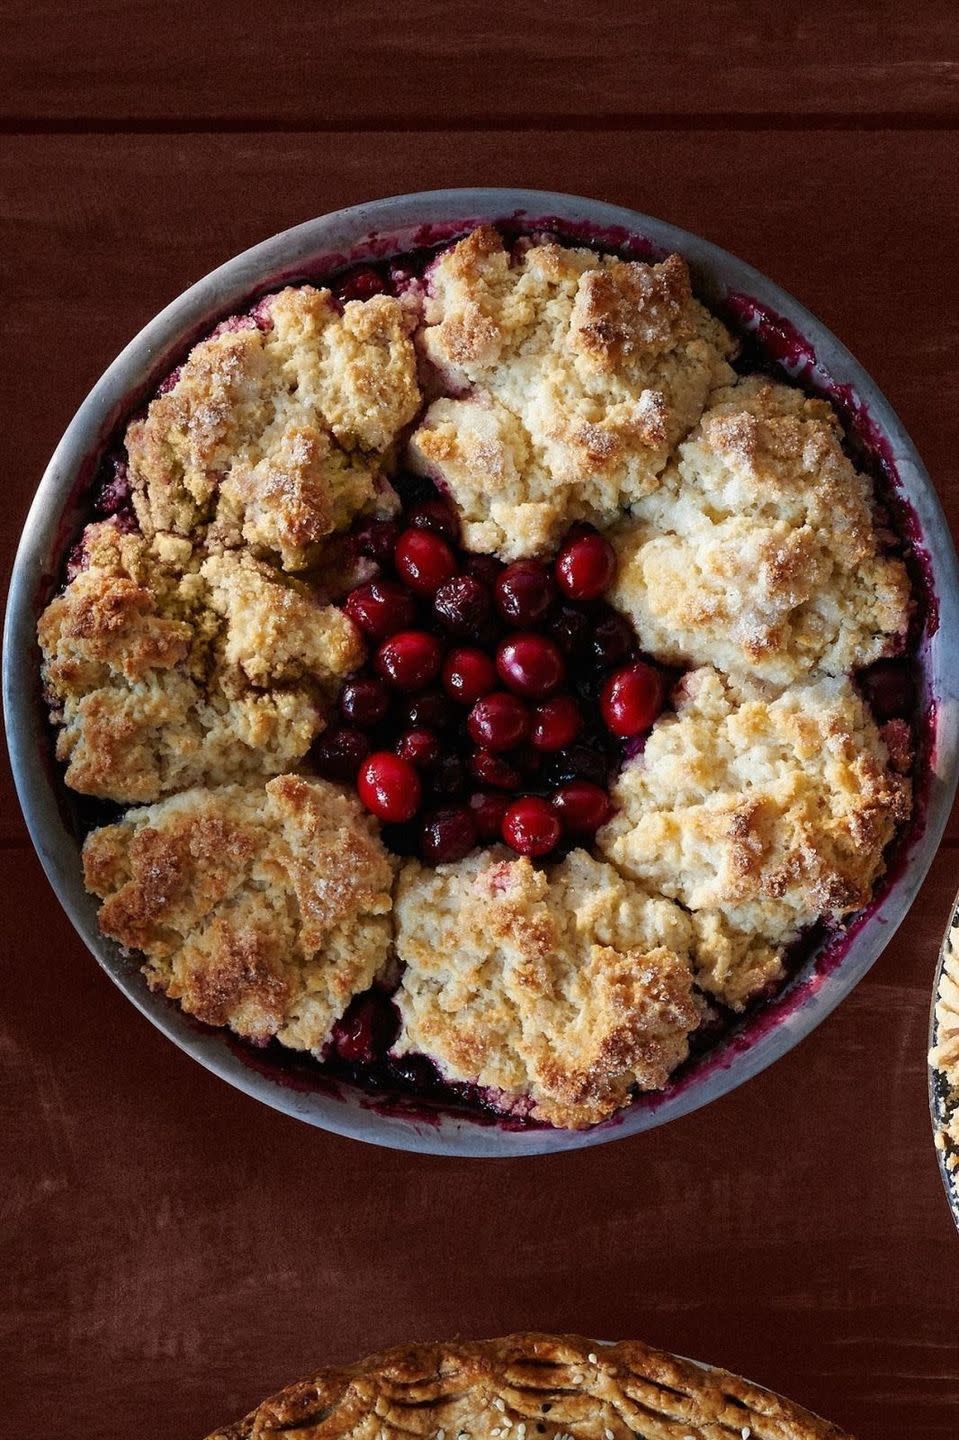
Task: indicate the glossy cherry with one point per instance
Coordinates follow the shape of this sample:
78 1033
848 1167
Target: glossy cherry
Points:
462 606
420 747
488 811
468 674
410 660
423 560
585 567
556 723
436 516
530 664
524 593
498 721
365 701
631 699
339 752
493 770
389 786
581 807
380 608
530 826
448 835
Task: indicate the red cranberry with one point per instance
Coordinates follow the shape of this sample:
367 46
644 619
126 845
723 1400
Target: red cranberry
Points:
380 608
339 752
448 835
571 630
488 811
377 540
367 1029
389 786
462 606
582 807
420 747
423 561
498 721
430 711
485 568
524 593
364 702
530 827
468 674
530 664
410 660
631 699
436 516
585 567
493 770
556 723
612 640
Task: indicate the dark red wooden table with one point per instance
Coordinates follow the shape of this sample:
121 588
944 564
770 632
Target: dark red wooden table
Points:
169 1250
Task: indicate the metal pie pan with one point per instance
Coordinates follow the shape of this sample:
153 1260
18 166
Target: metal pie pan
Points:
806 351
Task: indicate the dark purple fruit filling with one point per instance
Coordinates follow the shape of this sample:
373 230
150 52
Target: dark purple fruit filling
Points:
485 680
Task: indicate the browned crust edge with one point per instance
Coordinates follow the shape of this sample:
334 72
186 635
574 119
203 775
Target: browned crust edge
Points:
435 1390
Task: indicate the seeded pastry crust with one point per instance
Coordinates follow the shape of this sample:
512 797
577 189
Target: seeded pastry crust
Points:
759 815
262 908
759 552
944 1055
570 986
165 671
273 433
528 1387
578 373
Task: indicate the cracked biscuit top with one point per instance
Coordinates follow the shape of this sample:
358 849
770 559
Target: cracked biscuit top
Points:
568 986
528 1387
773 812
274 430
572 375
760 551
165 671
265 908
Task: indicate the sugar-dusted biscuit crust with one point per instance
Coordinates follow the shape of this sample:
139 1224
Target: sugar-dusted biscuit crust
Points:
551 1387
265 908
570 987
568 377
274 431
759 552
165 671
758 814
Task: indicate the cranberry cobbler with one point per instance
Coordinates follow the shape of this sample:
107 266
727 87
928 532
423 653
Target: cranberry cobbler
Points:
492 674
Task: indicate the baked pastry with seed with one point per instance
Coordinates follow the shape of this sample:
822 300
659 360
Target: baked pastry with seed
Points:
759 552
528 1387
578 373
265 908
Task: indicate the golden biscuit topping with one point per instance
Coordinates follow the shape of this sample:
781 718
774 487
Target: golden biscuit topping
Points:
759 552
165 672
262 908
569 986
771 812
581 372
551 1387
274 434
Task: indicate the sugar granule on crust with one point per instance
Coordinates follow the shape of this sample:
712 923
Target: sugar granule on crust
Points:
759 815
164 672
273 433
759 552
261 908
568 377
568 987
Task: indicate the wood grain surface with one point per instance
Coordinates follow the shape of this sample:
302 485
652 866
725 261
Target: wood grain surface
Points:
169 1250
